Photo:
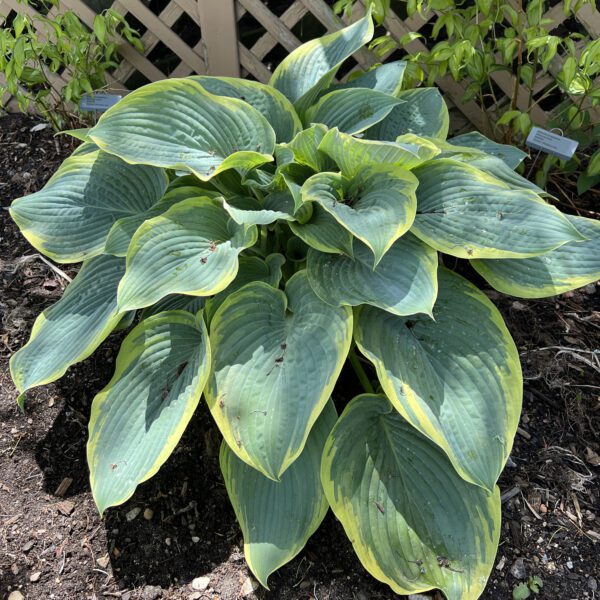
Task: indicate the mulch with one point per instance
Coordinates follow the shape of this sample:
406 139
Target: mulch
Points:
180 525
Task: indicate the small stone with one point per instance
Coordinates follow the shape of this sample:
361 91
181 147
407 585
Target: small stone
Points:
590 289
168 541
28 546
65 507
199 584
501 564
35 576
16 595
195 539
569 564
543 509
249 587
592 584
133 513
418 597
518 569
103 561
151 592
148 514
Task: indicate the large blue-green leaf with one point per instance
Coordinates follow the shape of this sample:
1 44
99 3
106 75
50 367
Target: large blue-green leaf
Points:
278 517
457 378
566 268
377 206
511 155
413 522
322 231
403 283
176 124
422 112
191 249
139 417
70 217
251 269
352 155
249 211
269 102
276 358
383 78
70 330
122 231
309 69
466 213
352 110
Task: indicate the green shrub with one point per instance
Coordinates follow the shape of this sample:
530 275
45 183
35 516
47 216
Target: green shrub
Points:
480 40
39 53
267 234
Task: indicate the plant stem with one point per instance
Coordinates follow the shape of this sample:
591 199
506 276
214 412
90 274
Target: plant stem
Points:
360 372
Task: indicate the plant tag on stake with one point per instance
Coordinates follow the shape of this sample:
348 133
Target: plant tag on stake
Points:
551 143
98 102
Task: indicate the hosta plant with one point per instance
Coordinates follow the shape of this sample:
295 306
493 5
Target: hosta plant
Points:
260 236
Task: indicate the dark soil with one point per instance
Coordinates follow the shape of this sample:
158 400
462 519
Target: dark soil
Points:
54 545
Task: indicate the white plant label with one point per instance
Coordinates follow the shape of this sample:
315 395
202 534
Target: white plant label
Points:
551 143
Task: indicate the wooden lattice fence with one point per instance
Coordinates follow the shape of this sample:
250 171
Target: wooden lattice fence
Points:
250 37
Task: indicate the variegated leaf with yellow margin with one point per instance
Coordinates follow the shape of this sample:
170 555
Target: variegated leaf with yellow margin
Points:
352 110
457 378
309 69
383 78
467 213
568 267
305 148
278 517
511 155
413 522
191 249
69 219
176 124
276 358
320 230
377 207
251 269
403 283
269 102
70 330
123 230
352 155
140 416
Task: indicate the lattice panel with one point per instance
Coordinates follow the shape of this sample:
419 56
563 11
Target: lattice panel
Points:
268 30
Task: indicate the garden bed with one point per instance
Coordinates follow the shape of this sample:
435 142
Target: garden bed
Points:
180 524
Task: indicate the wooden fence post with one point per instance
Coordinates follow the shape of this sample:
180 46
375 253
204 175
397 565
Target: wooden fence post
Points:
219 34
